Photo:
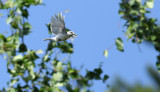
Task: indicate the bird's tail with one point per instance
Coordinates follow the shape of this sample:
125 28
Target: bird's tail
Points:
46 39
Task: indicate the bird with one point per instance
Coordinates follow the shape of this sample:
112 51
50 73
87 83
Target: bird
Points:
58 29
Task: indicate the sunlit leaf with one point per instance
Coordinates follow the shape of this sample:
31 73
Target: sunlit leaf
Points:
57 76
12 90
119 44
106 53
18 57
13 82
39 51
59 66
150 4
59 84
131 2
46 58
18 10
9 19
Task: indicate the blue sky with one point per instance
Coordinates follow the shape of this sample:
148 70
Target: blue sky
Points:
97 25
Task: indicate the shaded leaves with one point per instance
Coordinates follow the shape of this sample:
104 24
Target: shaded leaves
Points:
139 26
22 48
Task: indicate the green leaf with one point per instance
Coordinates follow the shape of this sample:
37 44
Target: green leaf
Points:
53 89
66 47
106 53
131 2
59 66
28 78
16 21
27 25
22 48
16 58
18 10
12 90
14 24
31 71
9 19
26 28
59 84
105 78
13 82
139 1
94 74
32 55
48 27
46 58
2 38
9 3
119 44
121 12
158 64
150 3
39 51
57 76
153 37
25 13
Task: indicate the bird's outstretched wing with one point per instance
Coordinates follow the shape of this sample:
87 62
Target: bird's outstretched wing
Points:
57 25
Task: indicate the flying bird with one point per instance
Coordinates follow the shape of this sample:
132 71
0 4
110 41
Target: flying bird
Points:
58 29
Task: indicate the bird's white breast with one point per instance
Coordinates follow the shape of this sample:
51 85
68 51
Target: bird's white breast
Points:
62 37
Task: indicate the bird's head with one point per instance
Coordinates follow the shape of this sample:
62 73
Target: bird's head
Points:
71 33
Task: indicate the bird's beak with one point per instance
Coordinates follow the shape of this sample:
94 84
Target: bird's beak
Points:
74 35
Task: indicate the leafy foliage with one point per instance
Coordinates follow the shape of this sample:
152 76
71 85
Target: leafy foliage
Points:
121 86
46 73
139 26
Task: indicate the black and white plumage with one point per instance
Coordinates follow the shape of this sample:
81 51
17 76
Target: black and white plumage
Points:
58 29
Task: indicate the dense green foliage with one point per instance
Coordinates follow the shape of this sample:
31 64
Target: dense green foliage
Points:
139 27
47 73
